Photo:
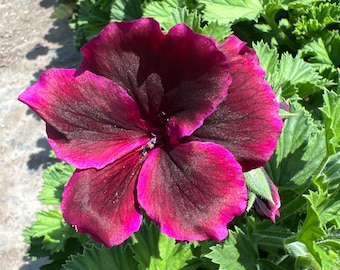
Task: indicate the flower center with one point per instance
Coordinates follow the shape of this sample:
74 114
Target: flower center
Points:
163 133
158 139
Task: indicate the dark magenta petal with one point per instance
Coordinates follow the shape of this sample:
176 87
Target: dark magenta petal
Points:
247 121
197 78
284 106
103 203
265 208
274 208
91 120
182 75
192 191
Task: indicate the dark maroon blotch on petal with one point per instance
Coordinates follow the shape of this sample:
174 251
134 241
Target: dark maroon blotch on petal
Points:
192 190
91 121
247 121
181 74
103 202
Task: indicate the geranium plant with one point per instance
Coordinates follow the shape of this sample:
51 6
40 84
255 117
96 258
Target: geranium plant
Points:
184 148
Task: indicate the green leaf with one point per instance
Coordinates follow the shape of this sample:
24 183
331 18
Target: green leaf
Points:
171 12
304 259
322 215
160 10
329 252
217 31
289 76
54 230
236 252
227 11
257 182
292 210
36 246
55 177
322 52
101 258
311 229
182 15
47 222
291 3
316 18
268 58
318 52
268 265
126 10
325 206
55 261
91 18
299 153
297 76
154 250
251 200
331 113
270 236
285 114
329 176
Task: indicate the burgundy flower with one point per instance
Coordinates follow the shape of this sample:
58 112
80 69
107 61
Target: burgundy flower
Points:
162 122
265 208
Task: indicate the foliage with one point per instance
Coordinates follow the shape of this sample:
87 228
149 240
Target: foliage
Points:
298 44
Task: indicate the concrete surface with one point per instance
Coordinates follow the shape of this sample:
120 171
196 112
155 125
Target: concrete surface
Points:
30 42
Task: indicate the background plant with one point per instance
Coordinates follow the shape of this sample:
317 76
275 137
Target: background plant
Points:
298 44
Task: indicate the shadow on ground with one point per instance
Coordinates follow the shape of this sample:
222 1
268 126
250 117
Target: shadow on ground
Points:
41 158
33 265
66 56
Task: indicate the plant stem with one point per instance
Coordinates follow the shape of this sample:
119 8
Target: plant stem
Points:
279 35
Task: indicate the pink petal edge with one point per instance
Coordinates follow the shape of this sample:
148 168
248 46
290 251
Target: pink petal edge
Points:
91 120
192 191
103 203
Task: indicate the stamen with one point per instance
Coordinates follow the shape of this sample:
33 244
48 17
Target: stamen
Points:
155 141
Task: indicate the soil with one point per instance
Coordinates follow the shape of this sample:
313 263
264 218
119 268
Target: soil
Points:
30 42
